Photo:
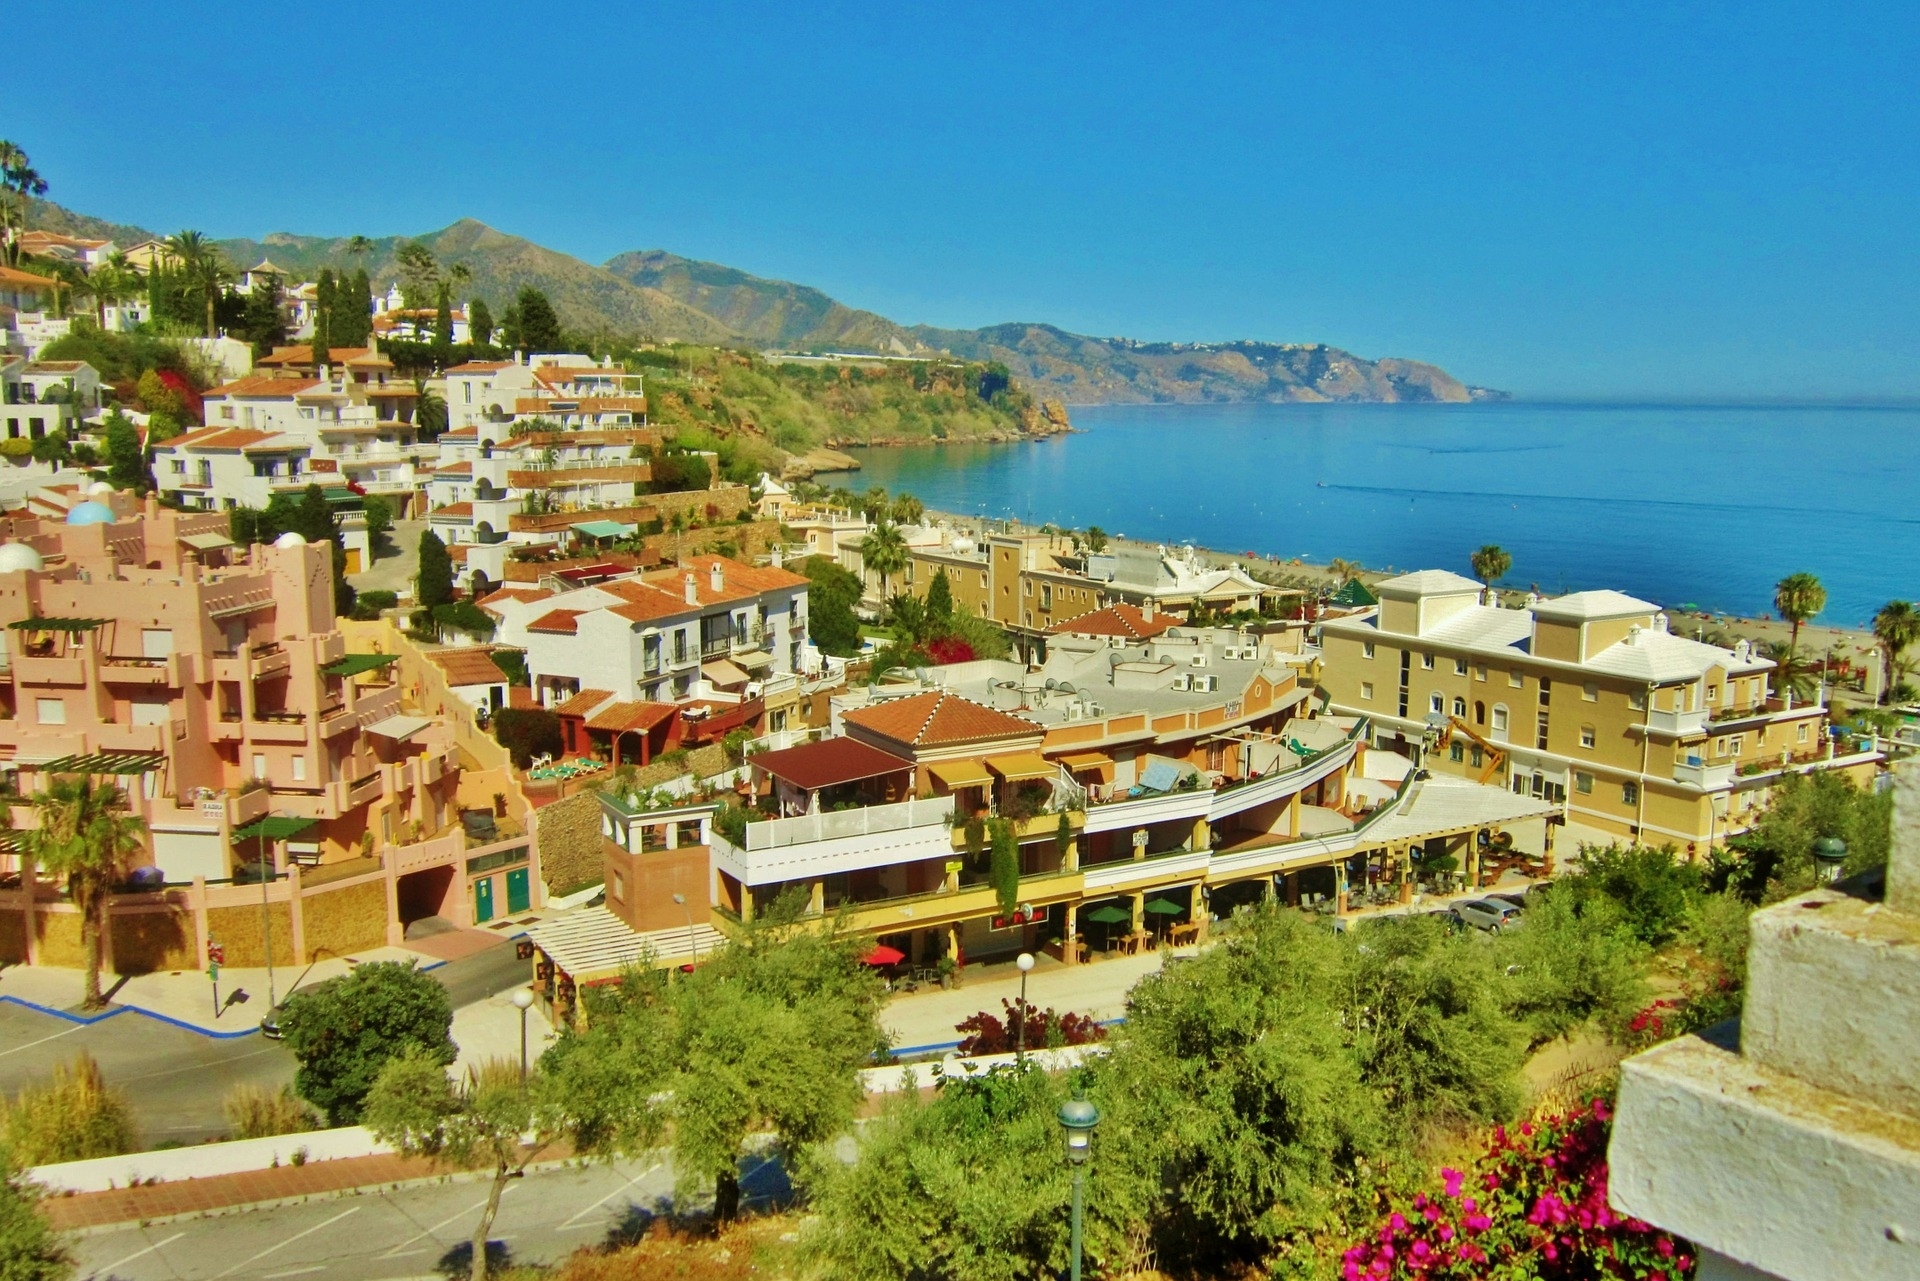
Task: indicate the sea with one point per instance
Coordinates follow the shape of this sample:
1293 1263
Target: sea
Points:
1695 507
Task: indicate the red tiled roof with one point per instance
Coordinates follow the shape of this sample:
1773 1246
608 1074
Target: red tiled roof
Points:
584 703
829 762
469 666
1124 620
302 354
563 622
264 386
937 717
225 438
757 578
454 469
23 279
480 367
524 595
453 509
624 717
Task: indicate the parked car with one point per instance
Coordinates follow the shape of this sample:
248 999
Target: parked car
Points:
1519 900
1488 914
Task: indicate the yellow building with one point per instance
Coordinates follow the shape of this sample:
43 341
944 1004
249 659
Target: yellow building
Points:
1587 700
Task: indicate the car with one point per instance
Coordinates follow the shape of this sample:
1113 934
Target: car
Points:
1518 900
1487 914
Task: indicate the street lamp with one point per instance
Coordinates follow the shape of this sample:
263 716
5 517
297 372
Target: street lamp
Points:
1829 853
1026 966
522 999
1077 1118
693 945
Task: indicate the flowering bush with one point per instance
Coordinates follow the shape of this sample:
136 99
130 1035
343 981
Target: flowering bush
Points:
944 650
986 1034
1534 1207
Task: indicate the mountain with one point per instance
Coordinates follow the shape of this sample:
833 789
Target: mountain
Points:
661 296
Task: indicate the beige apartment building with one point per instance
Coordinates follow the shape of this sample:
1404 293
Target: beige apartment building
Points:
1589 701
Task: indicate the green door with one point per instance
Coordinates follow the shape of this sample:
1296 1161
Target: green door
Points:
483 900
518 900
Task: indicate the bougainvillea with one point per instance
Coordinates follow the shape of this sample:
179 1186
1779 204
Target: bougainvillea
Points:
986 1034
1534 1208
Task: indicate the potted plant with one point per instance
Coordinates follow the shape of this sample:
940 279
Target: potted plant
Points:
948 971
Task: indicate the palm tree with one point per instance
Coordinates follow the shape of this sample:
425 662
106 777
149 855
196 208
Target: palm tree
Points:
1343 569
202 263
1896 626
1798 597
85 830
884 550
1490 565
907 510
18 180
110 285
359 246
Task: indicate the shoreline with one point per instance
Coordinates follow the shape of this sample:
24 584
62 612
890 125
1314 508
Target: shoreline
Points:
1855 645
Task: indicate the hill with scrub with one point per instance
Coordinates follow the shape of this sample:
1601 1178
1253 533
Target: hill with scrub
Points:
659 297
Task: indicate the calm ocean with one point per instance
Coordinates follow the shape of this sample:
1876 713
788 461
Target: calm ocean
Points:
1689 506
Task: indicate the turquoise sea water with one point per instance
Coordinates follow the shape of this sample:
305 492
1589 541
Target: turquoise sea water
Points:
1684 505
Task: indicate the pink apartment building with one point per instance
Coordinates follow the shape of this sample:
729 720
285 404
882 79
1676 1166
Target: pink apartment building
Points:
212 683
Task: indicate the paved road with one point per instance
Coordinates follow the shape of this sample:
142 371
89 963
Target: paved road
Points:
377 1236
394 572
176 1079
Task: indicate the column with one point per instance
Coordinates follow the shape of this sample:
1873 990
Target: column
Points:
816 896
1471 861
1293 889
1200 834
1404 865
1138 907
1072 863
1340 888
1070 952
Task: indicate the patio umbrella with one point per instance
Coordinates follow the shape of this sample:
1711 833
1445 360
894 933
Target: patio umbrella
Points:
1164 907
883 956
1110 915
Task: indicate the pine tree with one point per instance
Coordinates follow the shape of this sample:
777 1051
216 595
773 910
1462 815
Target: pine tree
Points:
939 601
435 583
539 326
323 306
443 317
479 322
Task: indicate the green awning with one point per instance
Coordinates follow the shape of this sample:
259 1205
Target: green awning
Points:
354 664
1354 595
1110 915
603 528
106 763
273 828
57 624
1164 907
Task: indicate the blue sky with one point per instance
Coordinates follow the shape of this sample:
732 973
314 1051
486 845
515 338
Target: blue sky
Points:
1580 200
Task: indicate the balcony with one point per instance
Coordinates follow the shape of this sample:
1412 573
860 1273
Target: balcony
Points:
336 720
124 670
1664 721
268 660
30 670
278 727
1029 829
1695 772
718 647
812 845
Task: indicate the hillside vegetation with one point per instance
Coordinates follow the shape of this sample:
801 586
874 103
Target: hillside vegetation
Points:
655 296
756 412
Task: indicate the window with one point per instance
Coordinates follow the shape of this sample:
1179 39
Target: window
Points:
1480 672
1719 747
1637 700
1460 707
299 769
1499 720
1586 736
1456 751
1026 587
1046 596
1437 704
983 578
259 765
1801 733
1734 744
1630 792
1590 692
1459 667
1426 661
1546 691
1582 782
1713 693
1366 649
1366 692
1540 732
1479 713
1478 756
1516 680
50 711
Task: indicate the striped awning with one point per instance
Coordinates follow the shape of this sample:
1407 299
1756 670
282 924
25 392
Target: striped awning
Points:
106 763
1021 766
959 774
1080 761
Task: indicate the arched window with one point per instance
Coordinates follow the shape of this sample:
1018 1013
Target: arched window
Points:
1459 707
1436 703
1479 712
1500 718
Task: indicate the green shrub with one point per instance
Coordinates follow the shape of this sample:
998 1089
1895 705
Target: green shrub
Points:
74 1117
18 447
255 1112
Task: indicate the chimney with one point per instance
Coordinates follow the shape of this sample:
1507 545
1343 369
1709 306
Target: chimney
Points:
716 578
1146 609
779 558
693 593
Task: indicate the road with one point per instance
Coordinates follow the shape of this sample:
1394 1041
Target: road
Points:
176 1080
394 572
409 1233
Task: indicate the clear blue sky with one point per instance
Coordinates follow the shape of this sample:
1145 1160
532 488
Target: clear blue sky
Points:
1563 199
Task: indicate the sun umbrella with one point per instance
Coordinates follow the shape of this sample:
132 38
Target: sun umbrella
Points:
1110 915
883 956
1164 907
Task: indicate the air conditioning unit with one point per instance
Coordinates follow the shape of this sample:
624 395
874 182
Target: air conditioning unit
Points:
1206 684
1198 660
1182 682
1074 711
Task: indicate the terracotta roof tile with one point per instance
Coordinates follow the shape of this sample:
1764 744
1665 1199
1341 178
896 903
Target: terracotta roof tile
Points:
263 387
585 703
453 511
524 595
938 717
624 717
1121 619
481 367
829 762
563 622
469 666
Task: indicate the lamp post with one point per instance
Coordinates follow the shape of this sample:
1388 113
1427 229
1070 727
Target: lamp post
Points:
1020 1045
1077 1118
522 999
1829 854
693 944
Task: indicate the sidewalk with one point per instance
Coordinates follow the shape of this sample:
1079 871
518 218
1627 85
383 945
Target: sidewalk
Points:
1098 989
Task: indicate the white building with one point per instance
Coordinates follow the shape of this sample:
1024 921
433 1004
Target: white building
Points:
42 396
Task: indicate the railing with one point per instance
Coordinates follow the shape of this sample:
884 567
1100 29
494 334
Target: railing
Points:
872 820
716 648
280 718
128 660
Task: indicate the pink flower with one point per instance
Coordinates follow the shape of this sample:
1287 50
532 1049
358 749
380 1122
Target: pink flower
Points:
1468 1205
1478 1222
1421 1250
1398 1222
1664 1247
1446 1232
1452 1179
1351 1272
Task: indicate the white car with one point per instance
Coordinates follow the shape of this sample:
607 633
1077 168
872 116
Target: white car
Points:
1488 914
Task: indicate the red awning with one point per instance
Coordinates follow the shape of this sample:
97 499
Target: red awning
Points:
883 956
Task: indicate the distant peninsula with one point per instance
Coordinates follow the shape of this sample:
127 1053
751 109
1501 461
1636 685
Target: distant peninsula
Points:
653 294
